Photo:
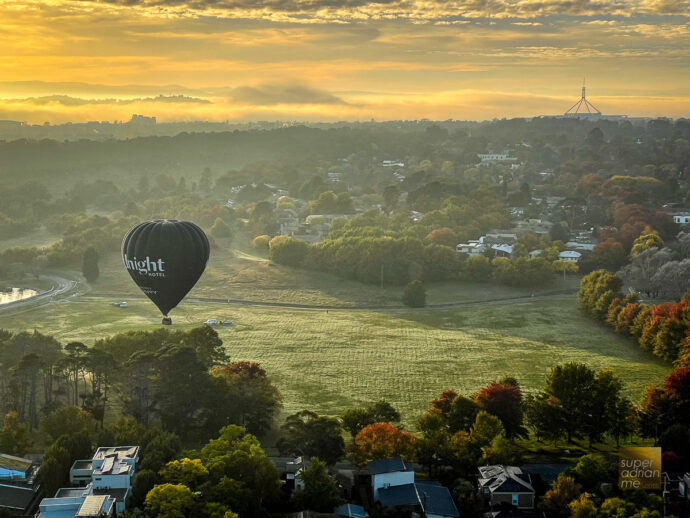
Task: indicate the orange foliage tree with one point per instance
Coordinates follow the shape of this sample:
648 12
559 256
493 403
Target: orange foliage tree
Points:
381 441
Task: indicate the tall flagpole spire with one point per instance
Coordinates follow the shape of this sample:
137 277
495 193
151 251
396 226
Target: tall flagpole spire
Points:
583 104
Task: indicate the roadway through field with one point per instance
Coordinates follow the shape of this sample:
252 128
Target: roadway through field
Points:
67 289
62 288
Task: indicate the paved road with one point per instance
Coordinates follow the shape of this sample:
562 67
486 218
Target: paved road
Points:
62 287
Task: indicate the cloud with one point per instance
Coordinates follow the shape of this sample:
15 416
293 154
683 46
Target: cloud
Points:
267 95
351 10
440 105
67 100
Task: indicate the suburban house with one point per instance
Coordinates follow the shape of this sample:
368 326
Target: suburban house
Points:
506 485
389 472
582 247
77 506
105 483
293 469
497 236
20 489
393 485
503 250
288 221
472 247
351 511
492 158
289 468
681 218
569 256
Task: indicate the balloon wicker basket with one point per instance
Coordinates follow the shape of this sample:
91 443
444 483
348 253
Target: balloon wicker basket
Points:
167 321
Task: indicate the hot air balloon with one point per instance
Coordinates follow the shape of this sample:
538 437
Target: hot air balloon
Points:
165 257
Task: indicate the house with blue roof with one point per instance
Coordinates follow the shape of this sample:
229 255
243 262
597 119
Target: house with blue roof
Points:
351 511
393 485
389 473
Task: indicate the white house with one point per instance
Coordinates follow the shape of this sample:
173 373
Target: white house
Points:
392 163
682 218
83 506
569 256
388 473
487 158
109 473
472 247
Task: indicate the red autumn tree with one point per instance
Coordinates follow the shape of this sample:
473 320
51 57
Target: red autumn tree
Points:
383 440
444 402
503 400
677 383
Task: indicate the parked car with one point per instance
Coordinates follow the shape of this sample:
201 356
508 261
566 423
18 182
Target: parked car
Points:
212 322
123 304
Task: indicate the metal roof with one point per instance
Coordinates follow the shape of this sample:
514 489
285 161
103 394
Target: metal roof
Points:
10 462
376 467
351 511
432 497
499 478
15 497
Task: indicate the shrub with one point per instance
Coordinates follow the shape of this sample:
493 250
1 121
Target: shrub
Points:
414 295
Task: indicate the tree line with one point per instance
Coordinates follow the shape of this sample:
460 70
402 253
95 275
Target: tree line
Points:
661 329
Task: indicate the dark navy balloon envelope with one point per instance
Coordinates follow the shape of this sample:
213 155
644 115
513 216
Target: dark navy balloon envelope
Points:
165 258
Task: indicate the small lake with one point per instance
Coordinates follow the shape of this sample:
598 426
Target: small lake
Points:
15 294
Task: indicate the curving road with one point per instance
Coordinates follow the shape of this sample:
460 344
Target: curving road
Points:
62 287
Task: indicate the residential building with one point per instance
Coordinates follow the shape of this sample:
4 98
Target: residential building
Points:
472 247
293 469
431 498
681 218
393 485
497 236
506 485
392 163
503 250
107 479
492 158
389 472
570 256
351 511
582 247
20 488
83 506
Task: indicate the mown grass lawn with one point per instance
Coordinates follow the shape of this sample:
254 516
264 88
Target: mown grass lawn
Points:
329 361
244 274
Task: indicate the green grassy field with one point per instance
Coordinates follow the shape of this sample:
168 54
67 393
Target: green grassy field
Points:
329 361
243 274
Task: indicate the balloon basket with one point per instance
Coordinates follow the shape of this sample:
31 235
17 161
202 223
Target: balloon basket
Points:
167 321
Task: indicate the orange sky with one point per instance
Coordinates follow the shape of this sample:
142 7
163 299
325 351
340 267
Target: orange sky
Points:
305 60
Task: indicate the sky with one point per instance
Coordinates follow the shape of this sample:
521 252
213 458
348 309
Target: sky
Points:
330 60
